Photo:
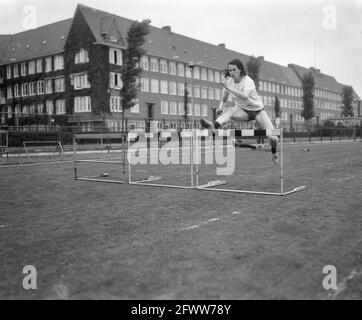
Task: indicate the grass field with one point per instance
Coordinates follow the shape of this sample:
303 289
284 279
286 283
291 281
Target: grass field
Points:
116 241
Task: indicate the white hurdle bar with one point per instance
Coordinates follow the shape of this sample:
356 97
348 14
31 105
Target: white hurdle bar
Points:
251 133
96 136
164 135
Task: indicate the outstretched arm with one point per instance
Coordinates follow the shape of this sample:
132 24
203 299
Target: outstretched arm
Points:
224 98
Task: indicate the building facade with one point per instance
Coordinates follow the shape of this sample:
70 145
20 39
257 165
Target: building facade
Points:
69 73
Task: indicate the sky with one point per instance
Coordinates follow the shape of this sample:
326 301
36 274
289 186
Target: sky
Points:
326 34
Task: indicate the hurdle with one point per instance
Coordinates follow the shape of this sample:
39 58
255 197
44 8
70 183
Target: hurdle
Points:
165 136
254 133
94 136
58 146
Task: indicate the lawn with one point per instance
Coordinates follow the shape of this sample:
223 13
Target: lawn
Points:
92 240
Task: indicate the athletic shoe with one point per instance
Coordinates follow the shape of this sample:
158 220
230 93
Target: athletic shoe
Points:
206 124
275 158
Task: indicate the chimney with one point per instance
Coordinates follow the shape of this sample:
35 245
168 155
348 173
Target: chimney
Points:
221 45
166 28
261 58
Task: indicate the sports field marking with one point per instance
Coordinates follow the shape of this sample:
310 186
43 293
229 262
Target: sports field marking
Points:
195 226
34 164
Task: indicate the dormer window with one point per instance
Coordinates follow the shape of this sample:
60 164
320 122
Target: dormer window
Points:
44 42
81 56
113 39
115 56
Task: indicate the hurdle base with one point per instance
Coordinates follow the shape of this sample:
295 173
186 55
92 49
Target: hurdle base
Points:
99 180
159 185
255 192
212 183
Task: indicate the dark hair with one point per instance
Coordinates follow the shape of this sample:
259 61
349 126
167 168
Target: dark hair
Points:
226 73
240 65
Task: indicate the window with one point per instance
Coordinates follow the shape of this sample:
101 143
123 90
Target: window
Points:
32 109
82 56
24 89
82 104
10 112
48 64
188 72
48 86
23 69
217 94
115 80
32 88
197 110
189 90
145 86
217 76
40 85
203 74
58 62
39 65
17 110
115 56
9 93
144 63
211 94
210 75
25 110
189 109
204 110
154 85
60 106
181 89
204 93
8 72
173 107
80 81
39 108
136 107
196 73
172 90
197 92
59 85
164 87
180 69
31 67
172 68
164 107
115 104
163 66
16 70
49 105
16 91
181 108
154 64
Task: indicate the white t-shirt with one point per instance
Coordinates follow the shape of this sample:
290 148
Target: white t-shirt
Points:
247 87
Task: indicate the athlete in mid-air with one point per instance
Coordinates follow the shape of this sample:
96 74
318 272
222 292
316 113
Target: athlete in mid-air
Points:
247 104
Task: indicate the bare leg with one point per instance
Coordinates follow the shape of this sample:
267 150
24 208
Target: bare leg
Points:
233 113
265 123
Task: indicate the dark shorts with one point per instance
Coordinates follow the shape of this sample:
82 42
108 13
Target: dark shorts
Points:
252 114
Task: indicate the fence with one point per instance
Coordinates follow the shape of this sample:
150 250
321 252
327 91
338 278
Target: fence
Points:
64 134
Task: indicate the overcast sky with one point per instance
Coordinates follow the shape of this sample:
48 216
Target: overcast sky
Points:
321 33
